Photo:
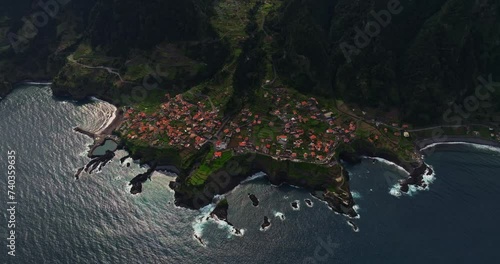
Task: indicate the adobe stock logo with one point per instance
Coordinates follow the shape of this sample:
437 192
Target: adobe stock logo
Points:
372 29
322 253
50 8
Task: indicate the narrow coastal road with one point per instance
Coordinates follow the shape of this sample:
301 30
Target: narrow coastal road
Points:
444 126
108 69
415 129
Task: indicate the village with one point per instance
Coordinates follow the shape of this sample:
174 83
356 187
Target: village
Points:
281 125
292 130
287 128
177 123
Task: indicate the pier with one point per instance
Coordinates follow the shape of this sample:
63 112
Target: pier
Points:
86 132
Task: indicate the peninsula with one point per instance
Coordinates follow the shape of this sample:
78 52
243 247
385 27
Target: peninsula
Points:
219 90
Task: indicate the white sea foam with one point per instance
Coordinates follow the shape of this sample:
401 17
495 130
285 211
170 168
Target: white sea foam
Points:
395 190
475 145
267 227
38 83
321 201
356 209
127 160
145 166
428 179
199 240
201 221
225 226
356 195
279 215
204 218
128 188
312 204
386 162
218 197
240 234
354 228
83 154
120 153
257 175
168 174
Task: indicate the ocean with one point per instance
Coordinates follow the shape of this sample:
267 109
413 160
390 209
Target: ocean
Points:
96 220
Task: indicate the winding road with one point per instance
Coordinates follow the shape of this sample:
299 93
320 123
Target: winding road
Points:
108 69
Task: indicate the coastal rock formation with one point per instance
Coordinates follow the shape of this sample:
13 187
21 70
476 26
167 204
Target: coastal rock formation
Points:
415 167
220 213
78 172
122 160
96 163
351 223
266 224
315 178
138 180
416 178
255 200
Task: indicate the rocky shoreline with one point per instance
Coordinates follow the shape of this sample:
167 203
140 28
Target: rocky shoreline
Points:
195 199
426 143
425 147
343 203
220 213
138 180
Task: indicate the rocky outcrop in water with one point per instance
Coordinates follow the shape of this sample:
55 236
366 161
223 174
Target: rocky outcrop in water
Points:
255 200
220 213
138 180
266 224
122 160
96 163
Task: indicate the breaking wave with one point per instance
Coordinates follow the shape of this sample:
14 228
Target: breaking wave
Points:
389 163
428 179
474 145
257 175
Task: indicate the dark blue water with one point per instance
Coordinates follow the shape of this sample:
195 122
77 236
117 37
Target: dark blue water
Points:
96 220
